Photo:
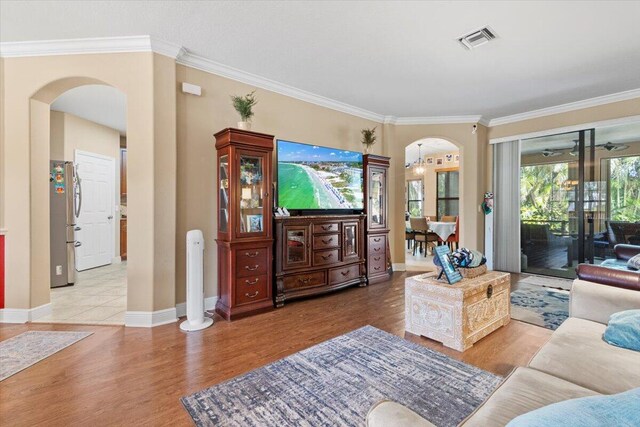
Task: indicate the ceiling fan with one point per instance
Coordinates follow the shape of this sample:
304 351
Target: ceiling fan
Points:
551 153
609 146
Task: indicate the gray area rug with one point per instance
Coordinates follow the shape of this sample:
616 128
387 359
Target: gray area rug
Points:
20 352
335 383
539 306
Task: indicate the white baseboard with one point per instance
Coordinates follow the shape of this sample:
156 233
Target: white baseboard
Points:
209 304
399 266
24 315
116 260
149 319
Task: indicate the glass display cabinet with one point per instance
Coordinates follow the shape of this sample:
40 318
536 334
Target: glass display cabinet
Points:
245 243
376 169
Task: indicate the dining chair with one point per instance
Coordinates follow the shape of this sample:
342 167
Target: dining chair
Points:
448 218
454 238
420 227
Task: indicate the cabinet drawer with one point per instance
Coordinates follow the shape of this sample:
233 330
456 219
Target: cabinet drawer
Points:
339 275
377 263
251 262
377 244
305 280
333 227
251 289
326 257
326 241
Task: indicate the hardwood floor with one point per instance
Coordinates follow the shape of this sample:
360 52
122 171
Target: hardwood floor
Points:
133 376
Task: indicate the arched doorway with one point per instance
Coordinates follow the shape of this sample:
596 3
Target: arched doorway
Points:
87 206
47 144
431 199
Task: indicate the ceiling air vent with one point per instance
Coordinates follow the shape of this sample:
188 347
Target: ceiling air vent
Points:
477 38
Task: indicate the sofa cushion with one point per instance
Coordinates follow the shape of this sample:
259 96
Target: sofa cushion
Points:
577 353
391 414
624 330
523 391
594 411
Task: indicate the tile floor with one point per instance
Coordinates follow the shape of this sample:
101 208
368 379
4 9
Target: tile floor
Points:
419 262
99 297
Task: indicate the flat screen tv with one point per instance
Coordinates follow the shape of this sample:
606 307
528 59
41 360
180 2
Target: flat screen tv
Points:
311 177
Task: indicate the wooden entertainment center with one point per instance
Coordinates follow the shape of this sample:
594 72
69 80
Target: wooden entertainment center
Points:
314 254
317 254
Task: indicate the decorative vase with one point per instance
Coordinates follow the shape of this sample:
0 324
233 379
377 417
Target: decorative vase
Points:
244 125
365 149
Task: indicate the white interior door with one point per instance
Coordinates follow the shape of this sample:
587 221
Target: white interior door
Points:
96 219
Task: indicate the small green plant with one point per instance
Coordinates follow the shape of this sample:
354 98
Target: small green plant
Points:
244 105
368 137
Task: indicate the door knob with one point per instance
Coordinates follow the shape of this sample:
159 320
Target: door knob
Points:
110 217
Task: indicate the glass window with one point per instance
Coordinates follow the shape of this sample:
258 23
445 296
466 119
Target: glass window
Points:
624 188
447 203
414 197
223 202
251 194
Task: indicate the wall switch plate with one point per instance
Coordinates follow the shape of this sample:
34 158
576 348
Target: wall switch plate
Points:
58 270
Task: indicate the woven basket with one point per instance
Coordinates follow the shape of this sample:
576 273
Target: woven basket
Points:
470 273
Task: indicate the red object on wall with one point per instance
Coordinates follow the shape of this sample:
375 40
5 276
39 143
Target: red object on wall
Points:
1 271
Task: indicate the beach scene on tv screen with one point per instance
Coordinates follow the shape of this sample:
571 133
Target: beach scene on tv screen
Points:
314 177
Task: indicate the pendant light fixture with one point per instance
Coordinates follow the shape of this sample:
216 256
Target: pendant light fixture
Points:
418 165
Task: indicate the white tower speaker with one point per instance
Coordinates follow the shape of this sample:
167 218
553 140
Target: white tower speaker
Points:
196 319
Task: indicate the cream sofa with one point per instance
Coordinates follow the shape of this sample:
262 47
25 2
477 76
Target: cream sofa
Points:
575 362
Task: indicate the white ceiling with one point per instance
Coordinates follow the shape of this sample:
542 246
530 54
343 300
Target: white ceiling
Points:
101 104
392 58
429 146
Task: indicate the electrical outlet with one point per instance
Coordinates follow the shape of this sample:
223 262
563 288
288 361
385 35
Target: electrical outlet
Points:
58 270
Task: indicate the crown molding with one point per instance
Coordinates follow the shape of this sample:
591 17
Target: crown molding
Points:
434 120
203 64
89 46
564 108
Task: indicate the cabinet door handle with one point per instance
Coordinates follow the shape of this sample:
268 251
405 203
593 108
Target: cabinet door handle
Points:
304 281
251 283
251 255
344 273
326 257
376 240
326 242
376 249
376 268
253 295
255 267
377 258
326 227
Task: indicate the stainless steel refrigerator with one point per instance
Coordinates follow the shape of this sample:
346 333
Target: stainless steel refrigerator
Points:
65 204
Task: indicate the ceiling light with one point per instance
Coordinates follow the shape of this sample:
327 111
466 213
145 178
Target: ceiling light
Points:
418 165
477 38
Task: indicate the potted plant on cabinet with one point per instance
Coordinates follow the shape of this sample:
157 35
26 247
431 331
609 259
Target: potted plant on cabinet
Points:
244 105
368 138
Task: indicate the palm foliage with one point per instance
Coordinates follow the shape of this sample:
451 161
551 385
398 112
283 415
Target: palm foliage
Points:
244 105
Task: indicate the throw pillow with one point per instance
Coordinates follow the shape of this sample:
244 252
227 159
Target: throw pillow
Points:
634 262
623 330
621 410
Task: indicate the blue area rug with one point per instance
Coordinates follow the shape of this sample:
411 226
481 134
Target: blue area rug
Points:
539 305
335 383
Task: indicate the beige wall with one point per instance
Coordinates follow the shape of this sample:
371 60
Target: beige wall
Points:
429 177
200 117
473 158
70 133
30 86
182 174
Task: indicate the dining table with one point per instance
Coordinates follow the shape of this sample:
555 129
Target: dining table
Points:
442 229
